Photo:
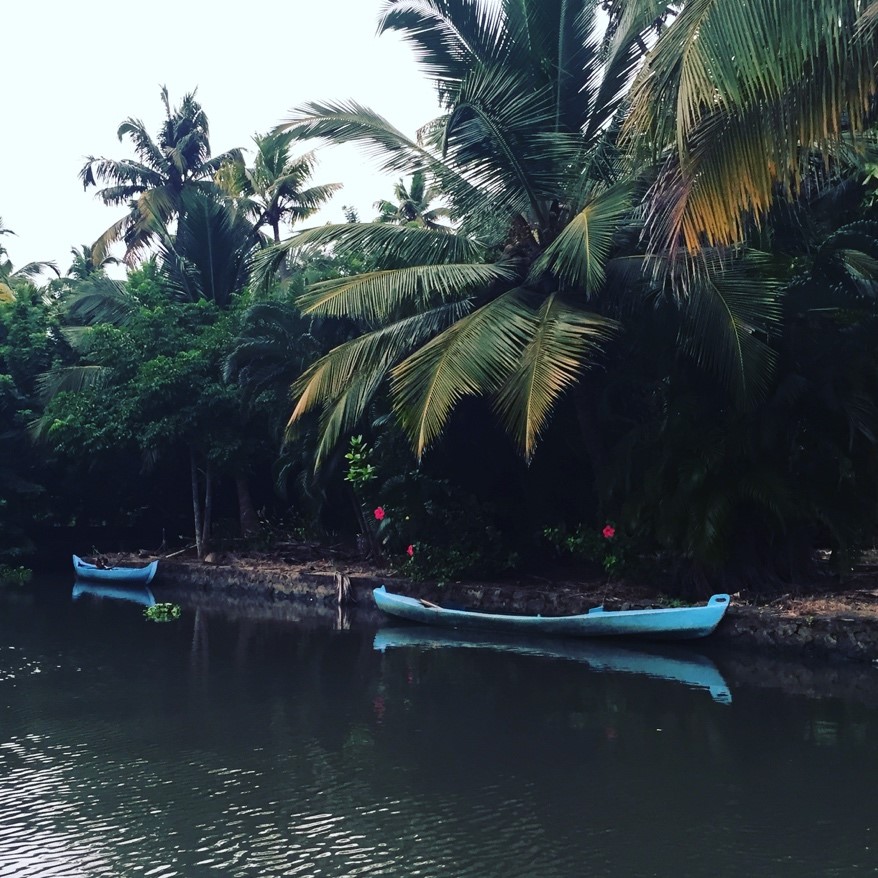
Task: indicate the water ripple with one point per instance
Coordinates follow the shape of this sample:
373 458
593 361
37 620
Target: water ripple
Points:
67 811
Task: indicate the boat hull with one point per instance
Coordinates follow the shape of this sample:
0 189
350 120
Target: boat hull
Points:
91 573
672 623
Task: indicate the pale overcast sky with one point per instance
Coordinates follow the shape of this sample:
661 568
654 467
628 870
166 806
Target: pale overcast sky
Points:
72 71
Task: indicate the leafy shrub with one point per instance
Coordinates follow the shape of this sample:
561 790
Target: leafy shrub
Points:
607 547
435 531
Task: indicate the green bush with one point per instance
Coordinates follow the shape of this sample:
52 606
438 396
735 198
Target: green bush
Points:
429 529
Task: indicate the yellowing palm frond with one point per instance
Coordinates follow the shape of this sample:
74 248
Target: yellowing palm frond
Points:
344 381
740 95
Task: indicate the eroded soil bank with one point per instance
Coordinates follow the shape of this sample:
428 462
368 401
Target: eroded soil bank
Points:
838 625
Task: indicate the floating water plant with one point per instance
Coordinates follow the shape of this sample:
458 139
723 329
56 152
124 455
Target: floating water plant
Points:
14 575
162 612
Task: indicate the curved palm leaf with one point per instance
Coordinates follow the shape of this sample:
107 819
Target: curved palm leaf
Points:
579 254
210 255
71 379
495 132
378 295
448 36
562 342
727 323
740 98
412 245
351 122
100 299
344 381
472 357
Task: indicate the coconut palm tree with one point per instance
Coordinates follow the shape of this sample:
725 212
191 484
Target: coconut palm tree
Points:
273 191
506 302
84 265
209 253
9 273
412 204
152 185
744 103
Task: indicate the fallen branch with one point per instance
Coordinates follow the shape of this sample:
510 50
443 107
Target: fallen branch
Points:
180 551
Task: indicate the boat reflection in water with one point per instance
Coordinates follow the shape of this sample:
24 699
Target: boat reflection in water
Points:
134 593
667 663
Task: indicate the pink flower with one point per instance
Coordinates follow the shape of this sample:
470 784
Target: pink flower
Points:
379 513
609 532
410 551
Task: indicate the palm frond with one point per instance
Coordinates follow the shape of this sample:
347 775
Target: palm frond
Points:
71 379
101 247
343 381
100 300
563 340
209 256
120 173
741 99
35 269
448 36
728 319
378 295
619 60
472 357
350 122
386 243
490 136
579 254
144 145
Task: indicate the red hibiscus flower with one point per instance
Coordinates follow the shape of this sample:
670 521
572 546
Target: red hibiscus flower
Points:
609 532
379 513
410 551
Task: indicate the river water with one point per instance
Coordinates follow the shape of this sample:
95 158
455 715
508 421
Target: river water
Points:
280 740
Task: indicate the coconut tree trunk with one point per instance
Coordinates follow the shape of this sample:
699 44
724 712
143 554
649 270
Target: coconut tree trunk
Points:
196 504
246 510
208 507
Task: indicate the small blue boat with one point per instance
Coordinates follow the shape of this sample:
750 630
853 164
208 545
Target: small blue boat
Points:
93 573
133 592
671 623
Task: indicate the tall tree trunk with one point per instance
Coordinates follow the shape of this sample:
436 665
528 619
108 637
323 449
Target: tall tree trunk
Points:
208 506
246 510
196 504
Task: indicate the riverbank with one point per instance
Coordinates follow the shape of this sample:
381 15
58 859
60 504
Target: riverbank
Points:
831 623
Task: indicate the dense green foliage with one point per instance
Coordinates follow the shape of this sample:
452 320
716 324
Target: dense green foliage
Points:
608 286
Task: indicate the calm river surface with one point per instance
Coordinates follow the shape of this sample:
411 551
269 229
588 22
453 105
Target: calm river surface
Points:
248 742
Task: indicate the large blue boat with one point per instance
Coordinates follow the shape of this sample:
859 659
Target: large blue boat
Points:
94 573
666 623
